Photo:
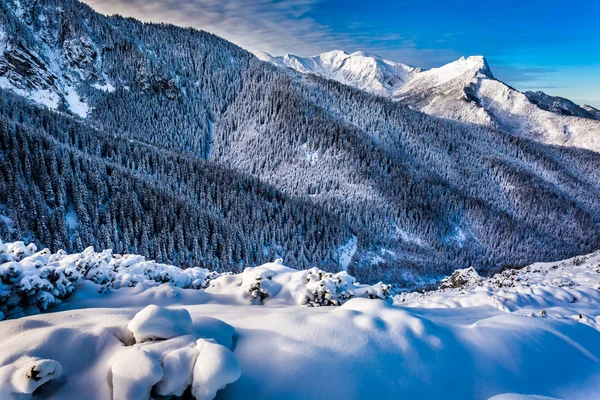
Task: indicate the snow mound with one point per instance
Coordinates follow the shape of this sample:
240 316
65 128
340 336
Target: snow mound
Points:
215 368
134 373
26 374
155 322
167 359
178 368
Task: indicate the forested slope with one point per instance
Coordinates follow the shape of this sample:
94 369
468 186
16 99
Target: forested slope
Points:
180 146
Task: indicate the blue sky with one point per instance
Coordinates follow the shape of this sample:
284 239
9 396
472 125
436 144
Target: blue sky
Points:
548 45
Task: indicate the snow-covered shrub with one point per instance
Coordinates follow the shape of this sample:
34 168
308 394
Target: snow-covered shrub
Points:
257 290
33 281
96 266
328 289
15 251
577 261
379 291
257 284
133 269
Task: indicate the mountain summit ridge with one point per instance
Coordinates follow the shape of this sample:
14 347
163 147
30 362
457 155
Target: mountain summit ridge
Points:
465 90
363 70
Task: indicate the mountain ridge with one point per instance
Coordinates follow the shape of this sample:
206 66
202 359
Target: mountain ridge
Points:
466 90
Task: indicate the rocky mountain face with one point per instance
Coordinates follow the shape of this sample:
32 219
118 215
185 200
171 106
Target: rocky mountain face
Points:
592 111
466 90
178 145
560 105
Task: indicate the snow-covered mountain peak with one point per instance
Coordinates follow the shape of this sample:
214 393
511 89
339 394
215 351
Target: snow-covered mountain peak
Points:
464 90
359 69
476 63
332 55
466 69
263 55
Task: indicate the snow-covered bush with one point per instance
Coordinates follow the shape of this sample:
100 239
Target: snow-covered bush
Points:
32 281
379 291
328 289
133 269
257 284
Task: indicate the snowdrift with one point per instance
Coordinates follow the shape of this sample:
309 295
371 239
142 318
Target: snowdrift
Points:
523 334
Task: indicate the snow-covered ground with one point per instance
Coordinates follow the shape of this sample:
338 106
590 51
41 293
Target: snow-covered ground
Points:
147 329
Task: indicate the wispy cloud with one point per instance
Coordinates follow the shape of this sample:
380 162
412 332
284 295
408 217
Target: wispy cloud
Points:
275 26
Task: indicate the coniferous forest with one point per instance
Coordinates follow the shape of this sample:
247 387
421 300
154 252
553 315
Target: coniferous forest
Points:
191 151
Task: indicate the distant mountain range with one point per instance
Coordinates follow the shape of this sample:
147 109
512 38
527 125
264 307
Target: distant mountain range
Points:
464 90
178 145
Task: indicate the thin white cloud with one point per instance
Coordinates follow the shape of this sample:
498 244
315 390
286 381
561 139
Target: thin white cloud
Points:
270 25
275 26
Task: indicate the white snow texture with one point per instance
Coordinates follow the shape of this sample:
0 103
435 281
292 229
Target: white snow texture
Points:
532 333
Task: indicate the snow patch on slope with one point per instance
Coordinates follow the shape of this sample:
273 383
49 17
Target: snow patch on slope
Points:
76 104
106 87
346 252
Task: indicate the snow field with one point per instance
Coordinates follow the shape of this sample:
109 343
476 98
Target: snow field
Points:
521 334
165 363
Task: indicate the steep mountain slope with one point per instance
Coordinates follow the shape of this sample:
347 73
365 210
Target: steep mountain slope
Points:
69 185
464 90
419 188
323 174
63 55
